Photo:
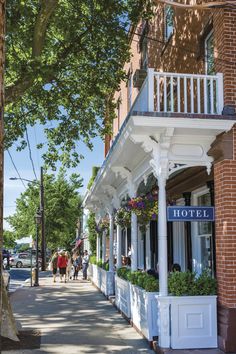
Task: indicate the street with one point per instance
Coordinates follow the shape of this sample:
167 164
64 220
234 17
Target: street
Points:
18 277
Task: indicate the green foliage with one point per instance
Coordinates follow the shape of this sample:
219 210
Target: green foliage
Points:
187 283
139 278
123 217
123 273
62 209
92 233
23 248
99 263
9 238
60 56
92 260
95 170
103 265
151 284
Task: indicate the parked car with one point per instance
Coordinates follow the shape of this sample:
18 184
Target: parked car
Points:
6 278
22 260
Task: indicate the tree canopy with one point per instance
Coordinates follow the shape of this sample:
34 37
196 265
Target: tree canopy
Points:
9 239
64 61
62 210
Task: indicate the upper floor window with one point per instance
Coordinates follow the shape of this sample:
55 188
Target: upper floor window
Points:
130 90
144 54
209 54
169 21
143 45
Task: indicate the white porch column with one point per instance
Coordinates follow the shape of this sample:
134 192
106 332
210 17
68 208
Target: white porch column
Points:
148 248
104 246
111 241
98 248
134 242
118 261
162 237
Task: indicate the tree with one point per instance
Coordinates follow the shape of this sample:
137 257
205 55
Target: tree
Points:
62 209
64 62
9 239
92 232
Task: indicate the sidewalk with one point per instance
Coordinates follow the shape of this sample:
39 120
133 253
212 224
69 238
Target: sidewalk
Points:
73 318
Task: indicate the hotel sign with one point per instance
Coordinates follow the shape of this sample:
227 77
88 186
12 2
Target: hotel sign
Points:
190 213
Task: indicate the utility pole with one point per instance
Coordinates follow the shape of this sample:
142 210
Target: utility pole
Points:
43 242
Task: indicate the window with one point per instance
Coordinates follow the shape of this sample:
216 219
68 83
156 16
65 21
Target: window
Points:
210 69
169 21
130 87
209 54
144 54
202 237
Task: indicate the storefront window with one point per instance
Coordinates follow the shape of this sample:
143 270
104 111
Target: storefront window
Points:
204 233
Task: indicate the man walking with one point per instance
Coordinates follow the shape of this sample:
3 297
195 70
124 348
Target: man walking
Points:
85 262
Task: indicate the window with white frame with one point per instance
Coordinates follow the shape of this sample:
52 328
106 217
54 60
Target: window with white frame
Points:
169 21
202 236
209 54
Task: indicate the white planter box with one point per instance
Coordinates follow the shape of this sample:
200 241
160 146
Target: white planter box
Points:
90 270
107 282
192 322
96 275
145 311
122 293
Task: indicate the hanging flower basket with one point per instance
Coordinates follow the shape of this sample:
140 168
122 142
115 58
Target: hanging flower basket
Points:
146 208
123 217
103 225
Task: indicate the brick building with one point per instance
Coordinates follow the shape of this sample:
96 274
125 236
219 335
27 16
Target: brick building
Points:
175 132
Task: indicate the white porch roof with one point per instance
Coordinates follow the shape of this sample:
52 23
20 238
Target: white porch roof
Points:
144 137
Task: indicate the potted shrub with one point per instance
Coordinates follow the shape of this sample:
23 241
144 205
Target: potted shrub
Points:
191 306
122 291
144 306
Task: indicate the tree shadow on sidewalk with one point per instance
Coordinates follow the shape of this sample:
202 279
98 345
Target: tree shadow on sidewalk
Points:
30 339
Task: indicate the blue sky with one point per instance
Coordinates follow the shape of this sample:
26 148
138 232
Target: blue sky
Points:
13 189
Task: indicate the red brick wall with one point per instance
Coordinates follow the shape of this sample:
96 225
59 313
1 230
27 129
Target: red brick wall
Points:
225 214
225 50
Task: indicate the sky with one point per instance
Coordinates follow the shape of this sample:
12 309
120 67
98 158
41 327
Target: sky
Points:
13 188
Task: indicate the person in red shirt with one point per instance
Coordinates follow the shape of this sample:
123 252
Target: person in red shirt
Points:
62 264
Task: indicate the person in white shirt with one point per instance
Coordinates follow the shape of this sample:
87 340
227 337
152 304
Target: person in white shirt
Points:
85 263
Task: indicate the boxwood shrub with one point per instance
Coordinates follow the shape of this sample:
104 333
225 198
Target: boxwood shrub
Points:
189 284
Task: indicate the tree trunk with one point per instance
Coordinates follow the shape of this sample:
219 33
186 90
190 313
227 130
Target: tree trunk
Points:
7 322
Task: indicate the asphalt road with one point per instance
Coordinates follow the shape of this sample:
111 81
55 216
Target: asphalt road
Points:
18 277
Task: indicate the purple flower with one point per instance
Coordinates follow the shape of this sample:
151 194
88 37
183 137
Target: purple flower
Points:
154 216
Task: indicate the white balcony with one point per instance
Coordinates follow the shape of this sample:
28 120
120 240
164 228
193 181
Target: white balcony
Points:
181 93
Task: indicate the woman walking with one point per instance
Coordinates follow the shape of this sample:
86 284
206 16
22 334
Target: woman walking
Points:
69 266
62 263
77 266
54 265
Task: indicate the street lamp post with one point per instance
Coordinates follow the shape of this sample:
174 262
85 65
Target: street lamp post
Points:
41 194
38 222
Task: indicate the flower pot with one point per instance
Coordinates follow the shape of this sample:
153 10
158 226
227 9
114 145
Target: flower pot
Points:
107 282
191 320
122 294
145 311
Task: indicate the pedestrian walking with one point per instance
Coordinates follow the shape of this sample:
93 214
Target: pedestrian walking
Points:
85 263
69 265
62 263
77 264
54 265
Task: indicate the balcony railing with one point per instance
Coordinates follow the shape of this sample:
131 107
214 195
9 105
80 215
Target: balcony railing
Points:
180 93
